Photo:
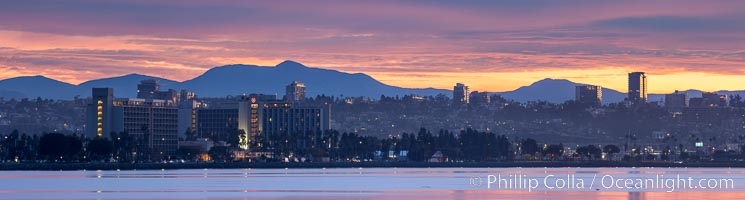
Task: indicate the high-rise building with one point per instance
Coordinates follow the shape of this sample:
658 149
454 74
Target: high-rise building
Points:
168 95
186 95
709 99
155 122
284 118
295 91
99 112
216 121
150 89
460 94
710 109
479 99
260 117
676 101
637 87
147 89
152 122
187 117
263 118
187 112
589 95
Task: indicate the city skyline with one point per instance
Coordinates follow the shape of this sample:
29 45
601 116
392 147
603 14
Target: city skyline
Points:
495 46
373 99
301 72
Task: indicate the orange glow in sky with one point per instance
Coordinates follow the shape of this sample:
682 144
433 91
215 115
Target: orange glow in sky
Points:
491 46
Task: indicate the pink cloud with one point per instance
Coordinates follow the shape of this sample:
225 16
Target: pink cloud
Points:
79 40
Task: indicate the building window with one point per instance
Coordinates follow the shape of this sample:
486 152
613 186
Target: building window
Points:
99 129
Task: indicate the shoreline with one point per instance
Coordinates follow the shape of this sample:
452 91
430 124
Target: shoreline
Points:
243 165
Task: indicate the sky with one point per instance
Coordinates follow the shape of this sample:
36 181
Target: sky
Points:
489 45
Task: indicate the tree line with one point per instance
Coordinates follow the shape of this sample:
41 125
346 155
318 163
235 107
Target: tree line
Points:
466 145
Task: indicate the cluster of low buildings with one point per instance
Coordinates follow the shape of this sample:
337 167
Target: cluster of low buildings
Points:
41 115
709 108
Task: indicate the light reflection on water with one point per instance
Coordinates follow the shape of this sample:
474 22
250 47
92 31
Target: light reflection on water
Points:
347 183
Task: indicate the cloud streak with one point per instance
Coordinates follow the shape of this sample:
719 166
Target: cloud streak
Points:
410 44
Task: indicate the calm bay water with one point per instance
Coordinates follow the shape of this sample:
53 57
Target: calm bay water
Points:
376 183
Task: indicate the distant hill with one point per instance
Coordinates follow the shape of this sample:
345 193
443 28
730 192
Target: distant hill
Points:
556 91
35 86
242 79
12 95
561 90
220 82
124 86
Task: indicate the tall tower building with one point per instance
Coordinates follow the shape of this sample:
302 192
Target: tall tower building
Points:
676 101
637 87
153 122
479 99
589 94
147 88
460 94
99 112
260 118
295 91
